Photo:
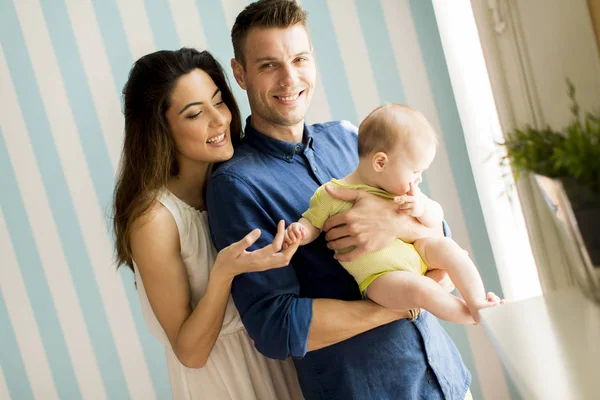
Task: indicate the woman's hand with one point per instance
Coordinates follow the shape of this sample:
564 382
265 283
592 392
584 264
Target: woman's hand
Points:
235 259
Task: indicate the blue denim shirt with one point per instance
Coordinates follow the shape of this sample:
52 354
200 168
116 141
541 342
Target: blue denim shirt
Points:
268 180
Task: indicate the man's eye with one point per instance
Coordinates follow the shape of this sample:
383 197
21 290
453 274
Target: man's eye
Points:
268 65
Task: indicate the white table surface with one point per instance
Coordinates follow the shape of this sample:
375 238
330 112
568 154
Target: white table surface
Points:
549 345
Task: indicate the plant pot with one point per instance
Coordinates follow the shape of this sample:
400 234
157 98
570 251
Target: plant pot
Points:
586 209
576 213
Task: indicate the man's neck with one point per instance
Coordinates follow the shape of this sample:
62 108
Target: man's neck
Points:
292 134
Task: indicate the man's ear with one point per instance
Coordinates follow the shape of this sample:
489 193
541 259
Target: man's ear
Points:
238 72
379 161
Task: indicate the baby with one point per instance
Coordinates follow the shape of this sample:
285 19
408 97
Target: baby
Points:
396 145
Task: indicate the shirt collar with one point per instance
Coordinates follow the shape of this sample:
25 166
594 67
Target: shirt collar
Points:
277 148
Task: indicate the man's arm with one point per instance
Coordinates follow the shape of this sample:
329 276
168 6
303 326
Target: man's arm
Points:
280 322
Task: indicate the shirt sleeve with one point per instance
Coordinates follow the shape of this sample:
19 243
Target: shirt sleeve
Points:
317 212
277 319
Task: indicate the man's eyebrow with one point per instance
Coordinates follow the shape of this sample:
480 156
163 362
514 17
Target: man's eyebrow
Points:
196 103
268 58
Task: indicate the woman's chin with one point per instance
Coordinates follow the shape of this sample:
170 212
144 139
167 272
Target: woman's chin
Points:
224 154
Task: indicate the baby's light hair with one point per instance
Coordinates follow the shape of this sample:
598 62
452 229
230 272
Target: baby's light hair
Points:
392 125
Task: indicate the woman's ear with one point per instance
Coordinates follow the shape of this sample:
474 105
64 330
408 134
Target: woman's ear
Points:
379 161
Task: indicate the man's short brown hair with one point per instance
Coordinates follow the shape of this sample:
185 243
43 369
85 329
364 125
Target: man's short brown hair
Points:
264 14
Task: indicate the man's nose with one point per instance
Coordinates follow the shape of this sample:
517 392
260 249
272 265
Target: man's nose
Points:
289 76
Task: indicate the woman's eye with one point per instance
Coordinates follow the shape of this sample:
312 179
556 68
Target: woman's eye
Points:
194 116
219 103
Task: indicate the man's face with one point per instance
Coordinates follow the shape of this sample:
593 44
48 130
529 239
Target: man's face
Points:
279 75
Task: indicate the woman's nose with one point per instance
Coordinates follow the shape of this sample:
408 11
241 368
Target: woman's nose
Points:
217 118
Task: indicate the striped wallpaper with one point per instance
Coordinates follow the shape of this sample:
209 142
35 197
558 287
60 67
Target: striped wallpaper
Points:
70 326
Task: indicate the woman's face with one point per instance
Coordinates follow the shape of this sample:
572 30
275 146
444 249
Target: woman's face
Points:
199 119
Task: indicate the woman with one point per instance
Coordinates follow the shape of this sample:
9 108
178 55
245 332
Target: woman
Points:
180 118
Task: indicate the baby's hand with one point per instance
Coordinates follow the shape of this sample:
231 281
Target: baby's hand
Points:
293 233
413 203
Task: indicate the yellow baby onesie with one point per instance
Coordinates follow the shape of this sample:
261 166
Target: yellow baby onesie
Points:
399 256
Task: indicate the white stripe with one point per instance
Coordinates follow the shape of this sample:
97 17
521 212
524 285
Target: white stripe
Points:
136 26
413 75
354 56
24 325
232 8
490 374
188 24
46 237
98 74
4 394
90 213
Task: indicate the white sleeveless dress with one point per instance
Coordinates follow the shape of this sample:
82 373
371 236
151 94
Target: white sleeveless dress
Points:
235 369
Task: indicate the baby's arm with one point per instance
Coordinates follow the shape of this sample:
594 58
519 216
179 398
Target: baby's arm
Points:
433 214
416 204
302 230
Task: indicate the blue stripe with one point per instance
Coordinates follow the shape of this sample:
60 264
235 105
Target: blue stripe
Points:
218 40
10 358
115 41
437 72
96 154
380 50
162 24
330 65
34 279
381 57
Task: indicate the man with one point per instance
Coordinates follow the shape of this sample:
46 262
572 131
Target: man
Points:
343 347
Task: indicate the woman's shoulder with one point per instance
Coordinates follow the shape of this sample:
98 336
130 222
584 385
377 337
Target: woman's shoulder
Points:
156 224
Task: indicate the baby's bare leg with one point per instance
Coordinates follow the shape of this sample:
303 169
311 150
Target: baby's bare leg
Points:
445 253
405 290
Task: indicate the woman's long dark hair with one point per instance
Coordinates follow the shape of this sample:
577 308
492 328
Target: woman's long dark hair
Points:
148 160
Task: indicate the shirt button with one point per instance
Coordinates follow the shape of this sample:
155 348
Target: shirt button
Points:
288 157
430 381
315 169
297 148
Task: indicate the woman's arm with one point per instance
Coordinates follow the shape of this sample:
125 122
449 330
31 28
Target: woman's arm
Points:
156 251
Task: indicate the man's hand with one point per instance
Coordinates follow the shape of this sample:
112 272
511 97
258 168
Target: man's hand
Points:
370 225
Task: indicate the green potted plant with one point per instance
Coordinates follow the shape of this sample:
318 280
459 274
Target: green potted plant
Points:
570 157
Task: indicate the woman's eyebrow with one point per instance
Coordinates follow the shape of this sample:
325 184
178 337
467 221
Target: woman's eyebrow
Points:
195 103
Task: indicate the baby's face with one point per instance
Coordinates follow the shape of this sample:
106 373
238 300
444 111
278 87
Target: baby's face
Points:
405 168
